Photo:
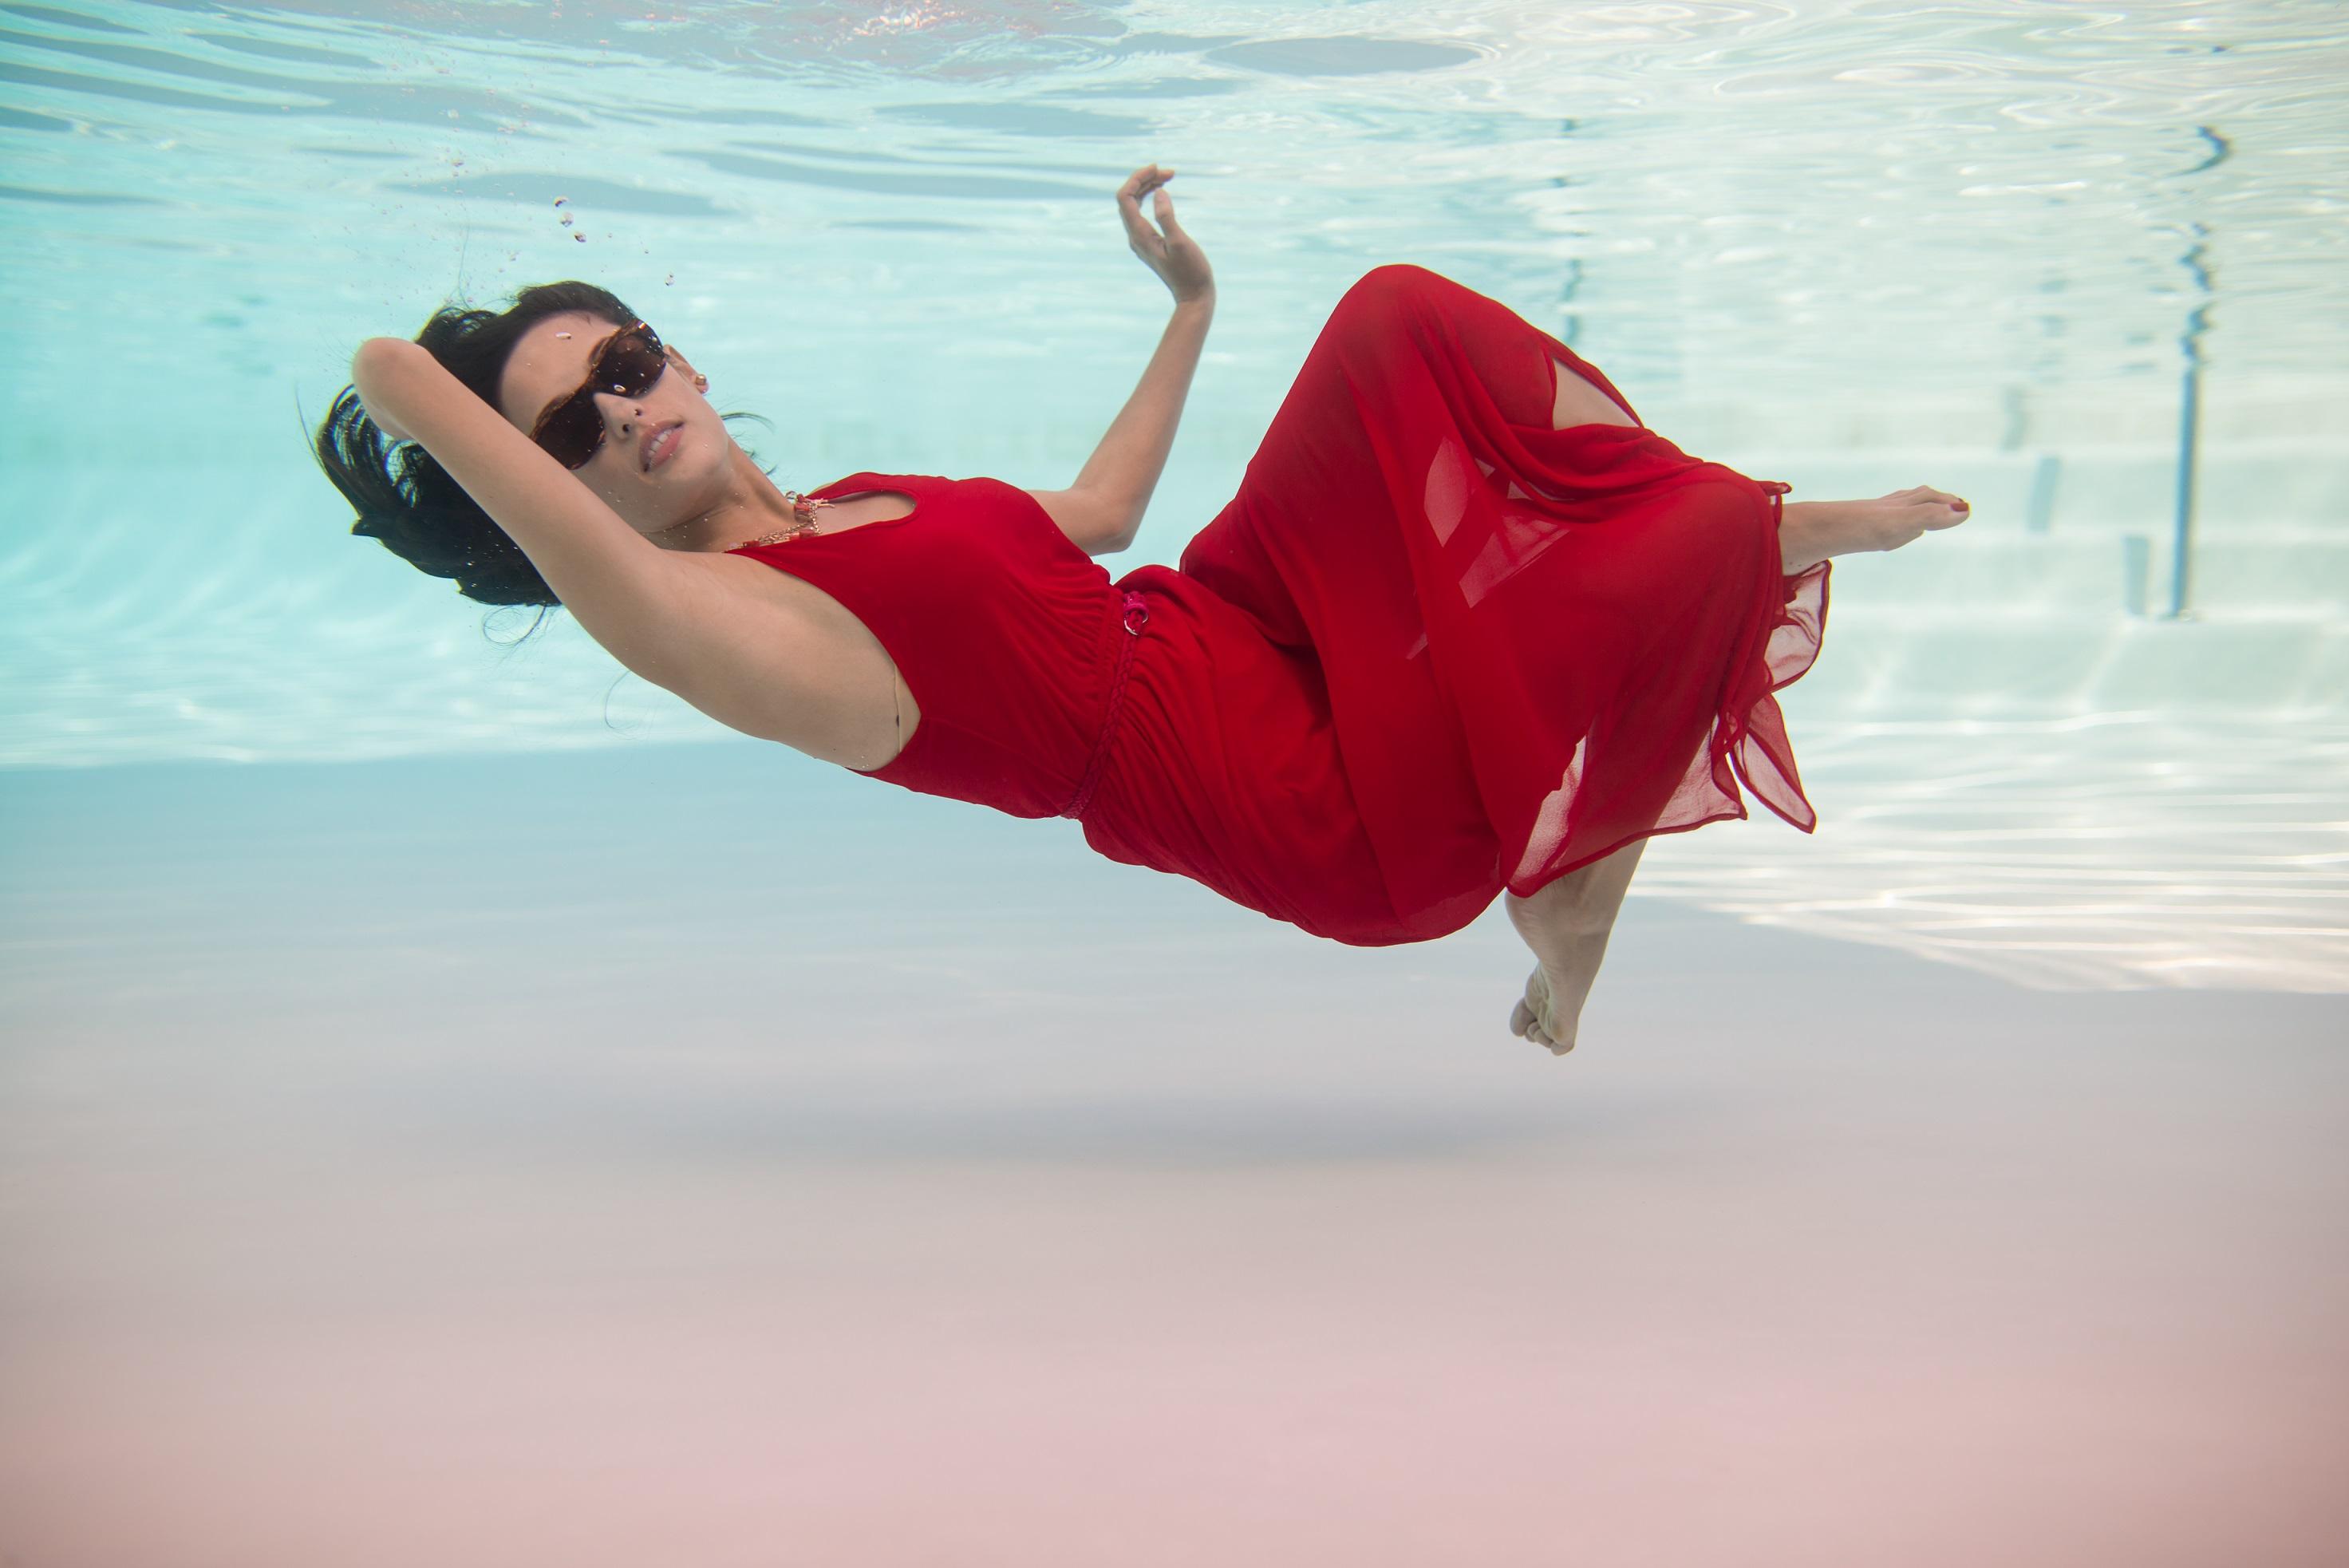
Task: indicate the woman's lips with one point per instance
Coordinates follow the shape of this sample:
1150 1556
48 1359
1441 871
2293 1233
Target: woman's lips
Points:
662 444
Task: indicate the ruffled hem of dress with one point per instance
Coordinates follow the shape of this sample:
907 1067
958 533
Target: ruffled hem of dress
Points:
1756 740
1749 742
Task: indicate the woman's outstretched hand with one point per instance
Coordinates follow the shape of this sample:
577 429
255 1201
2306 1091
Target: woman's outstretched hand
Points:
1175 255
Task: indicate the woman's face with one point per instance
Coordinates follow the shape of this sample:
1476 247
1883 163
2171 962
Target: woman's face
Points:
686 478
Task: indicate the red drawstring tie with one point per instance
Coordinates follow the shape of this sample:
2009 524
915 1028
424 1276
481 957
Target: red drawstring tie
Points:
1134 616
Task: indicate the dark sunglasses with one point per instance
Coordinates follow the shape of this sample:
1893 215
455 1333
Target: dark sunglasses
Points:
630 361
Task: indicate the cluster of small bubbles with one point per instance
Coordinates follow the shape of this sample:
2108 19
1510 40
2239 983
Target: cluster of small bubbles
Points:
668 281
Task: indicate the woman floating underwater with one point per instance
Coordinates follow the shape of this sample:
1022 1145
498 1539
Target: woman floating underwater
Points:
1469 629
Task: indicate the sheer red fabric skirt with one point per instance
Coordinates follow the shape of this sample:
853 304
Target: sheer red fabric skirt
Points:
1538 644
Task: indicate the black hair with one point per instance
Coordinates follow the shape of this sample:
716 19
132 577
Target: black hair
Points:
408 502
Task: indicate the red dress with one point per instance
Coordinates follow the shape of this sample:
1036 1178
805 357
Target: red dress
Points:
1431 648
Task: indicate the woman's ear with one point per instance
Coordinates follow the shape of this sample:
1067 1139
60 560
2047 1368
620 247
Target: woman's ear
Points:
700 382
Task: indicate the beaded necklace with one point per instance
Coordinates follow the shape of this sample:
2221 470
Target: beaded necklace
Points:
803 508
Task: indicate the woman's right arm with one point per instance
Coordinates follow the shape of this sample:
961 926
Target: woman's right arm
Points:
644 604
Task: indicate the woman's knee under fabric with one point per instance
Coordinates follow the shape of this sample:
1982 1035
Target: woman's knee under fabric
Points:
1501 348
1577 402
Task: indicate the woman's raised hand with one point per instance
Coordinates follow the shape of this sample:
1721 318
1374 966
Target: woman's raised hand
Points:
1174 256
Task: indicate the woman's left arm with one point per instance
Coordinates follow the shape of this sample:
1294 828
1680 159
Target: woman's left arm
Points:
641 602
1125 469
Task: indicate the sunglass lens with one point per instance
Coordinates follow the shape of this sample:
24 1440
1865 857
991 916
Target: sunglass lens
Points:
572 432
629 366
630 363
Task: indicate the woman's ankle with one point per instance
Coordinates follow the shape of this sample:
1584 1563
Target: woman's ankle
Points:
1562 940
1810 532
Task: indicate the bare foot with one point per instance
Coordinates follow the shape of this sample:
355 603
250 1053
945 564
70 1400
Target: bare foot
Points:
1905 514
1811 531
1567 923
1551 1011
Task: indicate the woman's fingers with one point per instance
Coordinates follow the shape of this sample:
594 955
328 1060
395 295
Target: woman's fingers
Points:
1147 179
1174 255
1141 182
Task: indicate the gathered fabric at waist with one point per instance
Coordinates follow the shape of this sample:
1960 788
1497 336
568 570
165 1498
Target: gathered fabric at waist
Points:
1134 615
1223 767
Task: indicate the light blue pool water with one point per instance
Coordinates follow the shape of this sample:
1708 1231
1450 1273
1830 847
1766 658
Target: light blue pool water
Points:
2007 252
452 1092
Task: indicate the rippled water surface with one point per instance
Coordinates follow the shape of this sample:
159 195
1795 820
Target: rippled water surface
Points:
1722 190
